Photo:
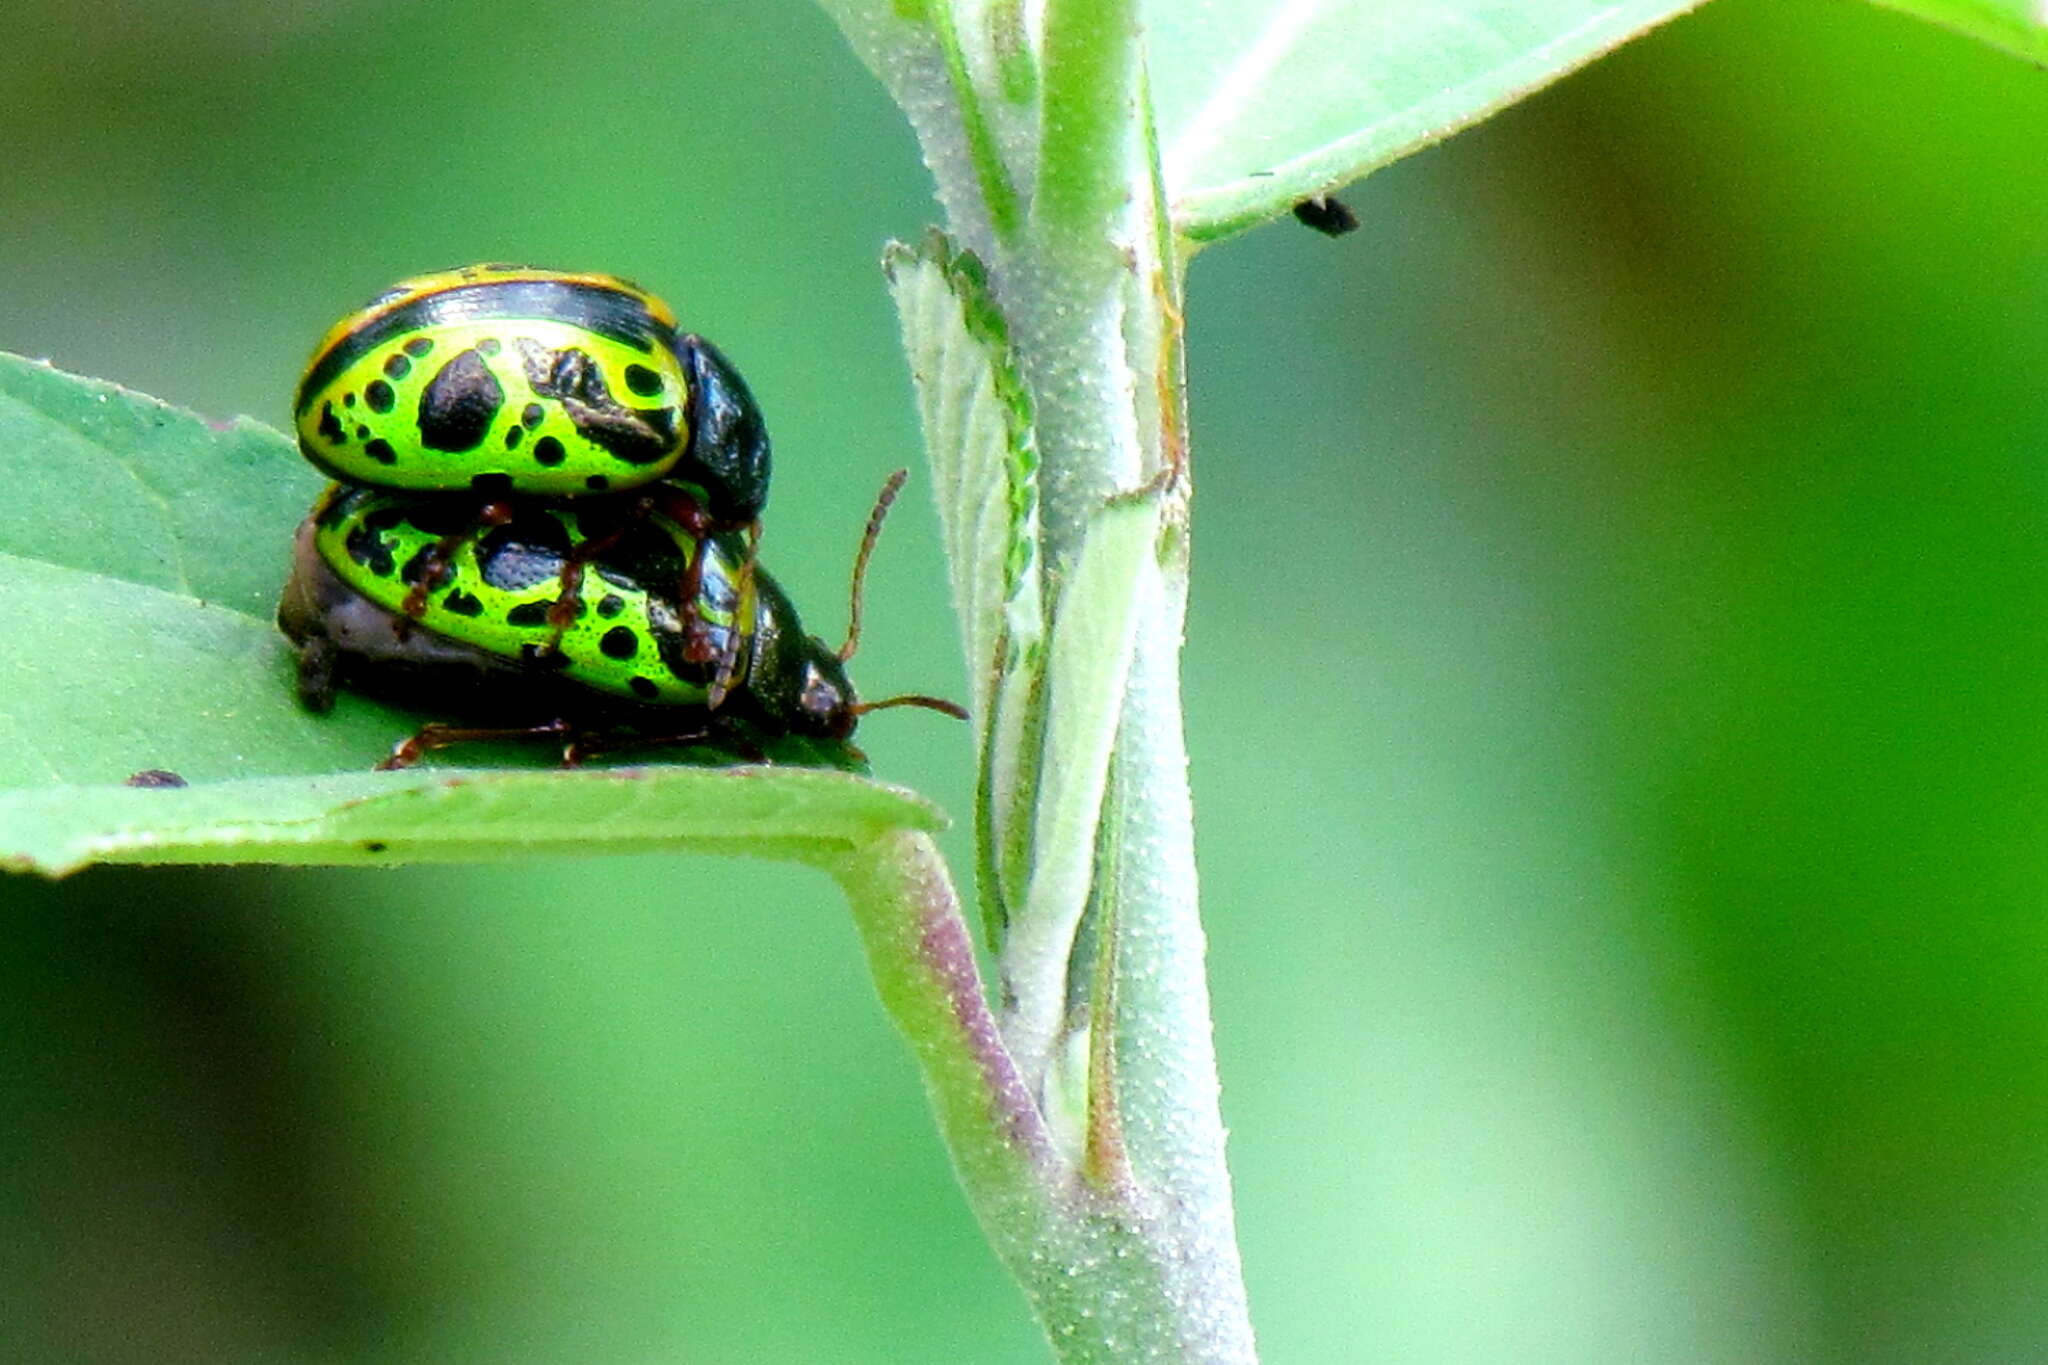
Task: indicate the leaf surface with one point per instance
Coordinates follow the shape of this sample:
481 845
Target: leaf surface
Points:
1263 103
978 430
141 553
2018 26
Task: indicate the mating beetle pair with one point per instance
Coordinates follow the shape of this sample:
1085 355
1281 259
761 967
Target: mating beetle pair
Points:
546 519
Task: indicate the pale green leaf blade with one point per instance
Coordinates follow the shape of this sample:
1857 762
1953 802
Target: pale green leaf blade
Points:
1091 650
978 431
946 82
2018 26
1263 103
111 481
457 815
101 677
141 553
977 424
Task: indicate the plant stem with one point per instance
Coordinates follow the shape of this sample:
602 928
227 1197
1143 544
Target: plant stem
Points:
922 959
1094 1260
1090 76
1120 1226
1063 285
1092 291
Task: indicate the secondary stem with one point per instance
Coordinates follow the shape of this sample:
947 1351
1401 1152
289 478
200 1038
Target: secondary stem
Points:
922 958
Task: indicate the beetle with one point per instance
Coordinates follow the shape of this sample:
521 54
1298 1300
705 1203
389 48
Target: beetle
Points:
504 378
486 382
617 674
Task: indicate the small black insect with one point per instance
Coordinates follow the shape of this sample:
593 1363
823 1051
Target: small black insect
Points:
1327 214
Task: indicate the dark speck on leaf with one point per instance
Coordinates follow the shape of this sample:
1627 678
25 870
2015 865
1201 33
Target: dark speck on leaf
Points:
1326 215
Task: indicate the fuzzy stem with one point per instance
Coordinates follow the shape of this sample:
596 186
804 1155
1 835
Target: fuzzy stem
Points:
1063 286
922 958
1097 1260
1090 71
1128 1250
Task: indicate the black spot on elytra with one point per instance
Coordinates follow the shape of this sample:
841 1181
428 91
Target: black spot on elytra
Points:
379 396
643 381
379 449
547 450
396 366
644 557
462 603
362 432
419 346
367 546
597 483
490 345
512 437
459 404
374 845
532 413
528 614
574 379
643 688
597 518
610 605
619 643
154 777
348 400
330 427
525 552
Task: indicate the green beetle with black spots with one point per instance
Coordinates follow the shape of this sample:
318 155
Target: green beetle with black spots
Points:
510 379
487 645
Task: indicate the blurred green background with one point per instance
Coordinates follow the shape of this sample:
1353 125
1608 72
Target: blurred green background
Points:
1616 684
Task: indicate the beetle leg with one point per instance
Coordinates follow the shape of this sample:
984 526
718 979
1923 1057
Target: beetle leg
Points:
569 591
697 646
438 559
591 745
744 747
712 730
316 674
682 509
428 738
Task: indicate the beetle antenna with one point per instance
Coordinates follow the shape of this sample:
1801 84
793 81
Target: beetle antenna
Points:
953 709
860 561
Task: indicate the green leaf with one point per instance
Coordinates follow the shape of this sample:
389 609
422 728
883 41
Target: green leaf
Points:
457 815
2018 26
101 676
929 62
141 553
978 430
1264 103
120 485
1091 649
